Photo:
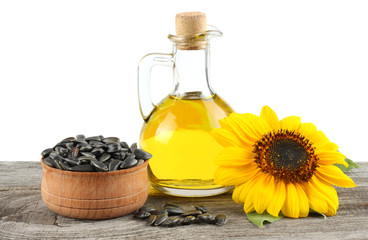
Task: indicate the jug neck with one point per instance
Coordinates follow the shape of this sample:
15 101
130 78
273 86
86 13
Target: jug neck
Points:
191 73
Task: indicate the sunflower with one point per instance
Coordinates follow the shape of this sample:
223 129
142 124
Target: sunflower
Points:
275 166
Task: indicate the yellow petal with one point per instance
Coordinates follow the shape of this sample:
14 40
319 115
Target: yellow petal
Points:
225 137
291 206
334 175
243 190
235 175
317 201
330 154
240 128
291 122
249 191
250 124
319 139
237 193
248 209
270 116
329 146
278 199
328 192
257 125
332 157
307 130
303 201
264 191
234 157
296 201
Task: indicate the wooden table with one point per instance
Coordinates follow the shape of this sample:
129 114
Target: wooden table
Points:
23 215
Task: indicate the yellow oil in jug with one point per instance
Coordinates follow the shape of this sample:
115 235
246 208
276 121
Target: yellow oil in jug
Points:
178 134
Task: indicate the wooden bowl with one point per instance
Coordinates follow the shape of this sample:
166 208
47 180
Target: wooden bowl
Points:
94 195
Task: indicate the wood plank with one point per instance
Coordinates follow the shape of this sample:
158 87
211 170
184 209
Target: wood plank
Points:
23 215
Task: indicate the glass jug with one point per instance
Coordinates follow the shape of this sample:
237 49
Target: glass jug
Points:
177 131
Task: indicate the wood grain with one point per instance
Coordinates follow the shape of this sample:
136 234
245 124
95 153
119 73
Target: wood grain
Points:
23 215
94 195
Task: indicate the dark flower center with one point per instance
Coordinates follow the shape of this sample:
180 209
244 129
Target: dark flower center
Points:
287 155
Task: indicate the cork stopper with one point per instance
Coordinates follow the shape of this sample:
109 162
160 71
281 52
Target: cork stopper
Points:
189 24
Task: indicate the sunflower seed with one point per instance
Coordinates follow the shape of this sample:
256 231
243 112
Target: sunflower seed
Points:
203 209
86 148
82 168
86 159
192 213
64 166
111 140
169 204
133 146
97 144
81 137
220 219
55 156
119 155
69 146
45 153
93 154
77 141
189 220
160 219
72 162
114 165
148 209
57 163
49 162
69 139
172 221
140 162
142 214
174 210
151 219
97 151
74 152
88 154
113 147
139 153
128 163
207 218
94 138
104 157
63 144
62 151
124 145
181 220
99 165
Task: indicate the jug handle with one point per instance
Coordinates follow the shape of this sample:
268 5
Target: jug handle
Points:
144 79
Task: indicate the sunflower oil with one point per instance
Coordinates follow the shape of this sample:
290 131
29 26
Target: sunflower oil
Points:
177 131
178 135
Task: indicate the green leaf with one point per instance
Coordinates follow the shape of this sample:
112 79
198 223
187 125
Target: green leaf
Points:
260 219
352 165
313 213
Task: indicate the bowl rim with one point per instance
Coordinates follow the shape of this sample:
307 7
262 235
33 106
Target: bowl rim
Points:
112 173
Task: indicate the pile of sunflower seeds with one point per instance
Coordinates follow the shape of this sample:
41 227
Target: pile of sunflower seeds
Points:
173 215
94 154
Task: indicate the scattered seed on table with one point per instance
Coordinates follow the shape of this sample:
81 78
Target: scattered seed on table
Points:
151 219
157 217
220 219
142 215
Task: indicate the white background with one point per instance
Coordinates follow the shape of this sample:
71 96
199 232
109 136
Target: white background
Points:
70 67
